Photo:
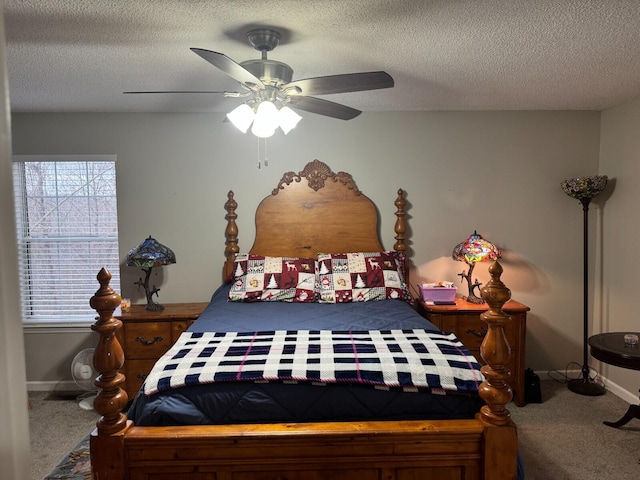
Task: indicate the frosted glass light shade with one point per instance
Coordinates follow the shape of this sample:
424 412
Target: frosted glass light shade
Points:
241 117
288 119
266 120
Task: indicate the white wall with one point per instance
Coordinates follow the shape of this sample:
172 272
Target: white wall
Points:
618 284
497 172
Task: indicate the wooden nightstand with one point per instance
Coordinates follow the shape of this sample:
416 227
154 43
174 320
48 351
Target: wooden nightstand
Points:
145 336
463 319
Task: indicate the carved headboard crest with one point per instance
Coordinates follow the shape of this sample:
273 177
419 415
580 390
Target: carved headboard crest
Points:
317 173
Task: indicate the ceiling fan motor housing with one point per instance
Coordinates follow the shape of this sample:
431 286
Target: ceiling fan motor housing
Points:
269 72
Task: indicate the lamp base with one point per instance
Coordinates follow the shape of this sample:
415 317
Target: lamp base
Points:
151 305
154 307
584 386
473 299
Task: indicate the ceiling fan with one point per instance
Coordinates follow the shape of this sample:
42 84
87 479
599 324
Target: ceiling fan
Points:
263 80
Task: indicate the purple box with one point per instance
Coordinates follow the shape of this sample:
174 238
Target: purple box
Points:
431 293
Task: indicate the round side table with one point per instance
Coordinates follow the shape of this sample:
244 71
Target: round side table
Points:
610 348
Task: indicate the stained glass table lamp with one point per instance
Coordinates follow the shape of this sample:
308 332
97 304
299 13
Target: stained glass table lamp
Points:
147 255
473 250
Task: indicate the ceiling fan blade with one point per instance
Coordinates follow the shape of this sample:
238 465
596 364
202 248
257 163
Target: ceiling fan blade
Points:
228 66
323 107
348 82
175 91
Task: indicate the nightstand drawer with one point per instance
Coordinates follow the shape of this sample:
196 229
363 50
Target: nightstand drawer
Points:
178 327
470 330
147 340
137 371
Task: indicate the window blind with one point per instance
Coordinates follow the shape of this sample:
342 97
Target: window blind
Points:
67 225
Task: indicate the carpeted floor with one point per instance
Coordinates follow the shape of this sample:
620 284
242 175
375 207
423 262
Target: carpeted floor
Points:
562 438
57 425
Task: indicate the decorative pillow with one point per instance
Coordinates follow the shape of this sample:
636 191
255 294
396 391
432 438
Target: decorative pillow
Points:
258 278
361 277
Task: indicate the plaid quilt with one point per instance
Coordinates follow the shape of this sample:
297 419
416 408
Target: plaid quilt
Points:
412 359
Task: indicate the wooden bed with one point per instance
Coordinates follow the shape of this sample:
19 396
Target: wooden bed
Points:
326 213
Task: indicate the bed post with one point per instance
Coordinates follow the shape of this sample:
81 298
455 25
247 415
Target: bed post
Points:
500 455
231 235
400 226
107 441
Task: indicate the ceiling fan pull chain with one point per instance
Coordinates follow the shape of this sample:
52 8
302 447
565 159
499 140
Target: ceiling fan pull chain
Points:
262 152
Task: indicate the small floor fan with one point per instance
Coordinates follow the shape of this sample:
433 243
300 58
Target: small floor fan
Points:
84 375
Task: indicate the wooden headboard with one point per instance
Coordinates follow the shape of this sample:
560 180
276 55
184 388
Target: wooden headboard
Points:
313 211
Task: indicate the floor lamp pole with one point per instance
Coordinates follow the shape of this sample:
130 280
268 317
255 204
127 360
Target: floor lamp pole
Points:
584 385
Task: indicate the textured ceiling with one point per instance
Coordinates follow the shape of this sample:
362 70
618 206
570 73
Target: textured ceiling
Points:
80 55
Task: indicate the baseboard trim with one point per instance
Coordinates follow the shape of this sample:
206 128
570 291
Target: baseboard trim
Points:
613 387
52 386
618 391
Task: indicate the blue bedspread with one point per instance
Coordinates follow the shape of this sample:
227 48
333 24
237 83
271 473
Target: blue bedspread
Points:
272 402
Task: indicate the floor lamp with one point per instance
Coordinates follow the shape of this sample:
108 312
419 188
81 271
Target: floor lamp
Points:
584 189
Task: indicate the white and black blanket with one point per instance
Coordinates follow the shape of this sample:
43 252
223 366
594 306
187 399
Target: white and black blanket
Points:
412 359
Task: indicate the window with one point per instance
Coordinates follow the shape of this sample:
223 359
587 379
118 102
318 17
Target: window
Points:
67 224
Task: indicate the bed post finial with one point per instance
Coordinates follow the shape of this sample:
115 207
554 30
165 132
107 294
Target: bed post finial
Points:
401 226
108 358
495 351
231 235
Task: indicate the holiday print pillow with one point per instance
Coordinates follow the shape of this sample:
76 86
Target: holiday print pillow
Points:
361 277
259 278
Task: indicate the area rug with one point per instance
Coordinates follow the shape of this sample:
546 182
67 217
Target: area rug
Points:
75 466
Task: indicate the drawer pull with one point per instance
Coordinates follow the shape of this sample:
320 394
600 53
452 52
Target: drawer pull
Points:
148 342
141 376
476 333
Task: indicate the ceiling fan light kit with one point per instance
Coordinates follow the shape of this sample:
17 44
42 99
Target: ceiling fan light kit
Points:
265 119
272 96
